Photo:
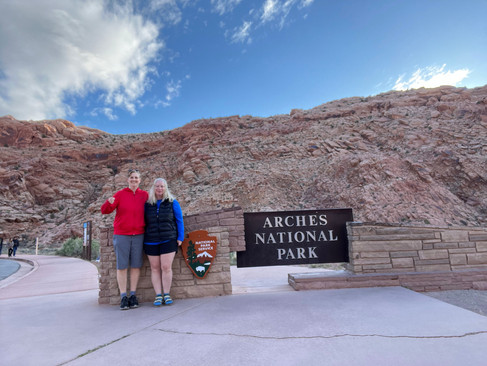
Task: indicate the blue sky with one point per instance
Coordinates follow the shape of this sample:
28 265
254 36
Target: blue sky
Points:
154 65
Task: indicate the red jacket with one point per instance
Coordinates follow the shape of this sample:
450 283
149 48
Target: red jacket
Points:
129 219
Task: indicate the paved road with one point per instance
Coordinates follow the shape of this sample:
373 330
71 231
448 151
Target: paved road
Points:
8 268
376 326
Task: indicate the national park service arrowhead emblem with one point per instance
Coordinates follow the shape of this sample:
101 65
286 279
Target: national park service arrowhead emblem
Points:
199 251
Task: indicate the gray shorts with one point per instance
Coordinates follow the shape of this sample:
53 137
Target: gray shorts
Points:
128 249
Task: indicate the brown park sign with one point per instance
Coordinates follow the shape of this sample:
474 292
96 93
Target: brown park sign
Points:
199 251
295 237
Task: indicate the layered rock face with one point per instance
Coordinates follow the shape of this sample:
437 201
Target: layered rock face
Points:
417 157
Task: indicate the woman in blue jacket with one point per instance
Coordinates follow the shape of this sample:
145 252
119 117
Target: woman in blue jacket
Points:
164 233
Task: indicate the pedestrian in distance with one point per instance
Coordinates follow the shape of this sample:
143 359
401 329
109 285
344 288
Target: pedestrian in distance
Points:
10 248
16 244
128 235
1 244
164 233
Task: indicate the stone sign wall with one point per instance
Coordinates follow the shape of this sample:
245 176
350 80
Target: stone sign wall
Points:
381 248
419 258
225 225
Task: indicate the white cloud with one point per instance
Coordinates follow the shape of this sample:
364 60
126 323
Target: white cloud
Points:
224 6
431 77
305 3
242 33
275 9
52 49
173 90
108 112
271 12
167 10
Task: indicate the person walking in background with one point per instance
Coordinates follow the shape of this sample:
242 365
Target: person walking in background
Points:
16 244
164 233
1 244
10 248
128 236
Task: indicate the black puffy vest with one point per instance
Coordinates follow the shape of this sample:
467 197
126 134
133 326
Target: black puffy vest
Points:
160 226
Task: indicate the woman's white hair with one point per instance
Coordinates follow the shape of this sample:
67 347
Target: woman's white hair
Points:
152 194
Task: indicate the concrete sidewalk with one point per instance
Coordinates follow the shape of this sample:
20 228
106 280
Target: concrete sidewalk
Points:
44 275
374 326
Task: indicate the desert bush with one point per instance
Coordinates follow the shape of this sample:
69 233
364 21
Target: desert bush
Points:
73 247
233 258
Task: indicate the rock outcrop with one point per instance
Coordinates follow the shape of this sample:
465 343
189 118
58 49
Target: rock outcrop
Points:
417 156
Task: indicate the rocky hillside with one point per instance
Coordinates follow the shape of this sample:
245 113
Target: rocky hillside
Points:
417 157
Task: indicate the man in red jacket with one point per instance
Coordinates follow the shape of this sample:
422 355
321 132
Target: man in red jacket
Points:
128 236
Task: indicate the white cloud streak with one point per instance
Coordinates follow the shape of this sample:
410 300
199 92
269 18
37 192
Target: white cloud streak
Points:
173 90
224 6
270 11
431 77
108 112
305 3
52 49
242 34
167 10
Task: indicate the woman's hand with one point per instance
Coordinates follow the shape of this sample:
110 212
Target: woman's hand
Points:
180 242
111 200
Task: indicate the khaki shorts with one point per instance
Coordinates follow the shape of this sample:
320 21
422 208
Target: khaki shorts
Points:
128 249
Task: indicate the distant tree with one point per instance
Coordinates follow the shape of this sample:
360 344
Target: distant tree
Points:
73 247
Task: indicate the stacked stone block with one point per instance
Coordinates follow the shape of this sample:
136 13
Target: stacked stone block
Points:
225 225
231 218
376 248
419 258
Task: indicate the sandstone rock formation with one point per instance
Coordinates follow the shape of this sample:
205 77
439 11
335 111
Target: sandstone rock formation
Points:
417 156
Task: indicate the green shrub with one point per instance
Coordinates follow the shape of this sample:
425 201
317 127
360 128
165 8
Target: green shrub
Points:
73 247
233 258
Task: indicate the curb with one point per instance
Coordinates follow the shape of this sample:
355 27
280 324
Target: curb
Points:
16 276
